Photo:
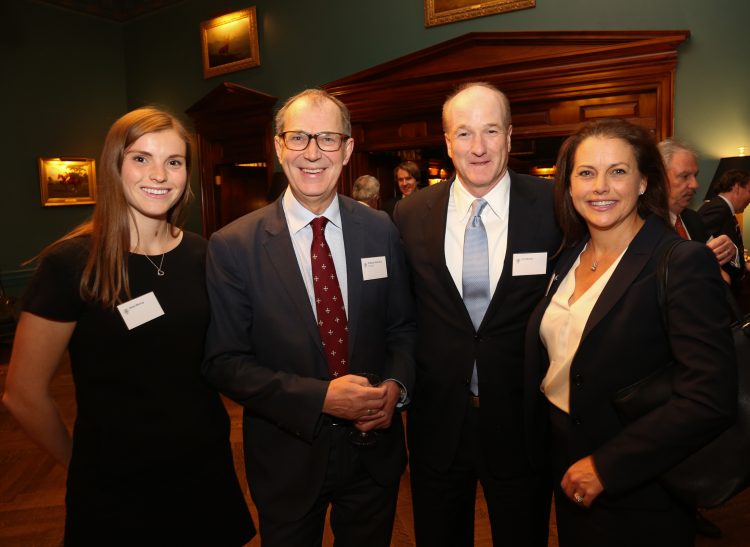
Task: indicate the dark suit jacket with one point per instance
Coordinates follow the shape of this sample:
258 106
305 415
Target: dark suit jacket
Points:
695 226
263 348
718 218
448 345
390 204
624 340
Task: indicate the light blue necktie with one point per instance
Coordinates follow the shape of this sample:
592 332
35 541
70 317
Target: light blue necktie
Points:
476 273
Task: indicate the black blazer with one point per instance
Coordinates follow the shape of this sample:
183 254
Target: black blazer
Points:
263 348
695 226
448 345
718 219
624 341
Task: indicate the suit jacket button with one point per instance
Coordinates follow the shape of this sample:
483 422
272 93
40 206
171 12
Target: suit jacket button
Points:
578 380
576 420
477 338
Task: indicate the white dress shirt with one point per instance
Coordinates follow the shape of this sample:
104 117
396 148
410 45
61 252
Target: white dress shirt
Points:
298 220
495 220
561 330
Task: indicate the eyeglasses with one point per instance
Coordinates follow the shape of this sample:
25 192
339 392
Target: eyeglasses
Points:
326 141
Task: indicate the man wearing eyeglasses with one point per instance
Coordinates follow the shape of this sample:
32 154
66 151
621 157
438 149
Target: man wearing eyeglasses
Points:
306 294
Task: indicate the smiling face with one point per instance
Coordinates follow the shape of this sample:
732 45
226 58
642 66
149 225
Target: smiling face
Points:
605 183
406 183
154 174
477 135
312 173
682 173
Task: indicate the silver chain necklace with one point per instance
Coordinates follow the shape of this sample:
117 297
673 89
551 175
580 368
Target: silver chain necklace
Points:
159 271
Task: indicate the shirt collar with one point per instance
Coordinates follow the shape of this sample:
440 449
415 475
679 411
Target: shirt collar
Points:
297 216
497 199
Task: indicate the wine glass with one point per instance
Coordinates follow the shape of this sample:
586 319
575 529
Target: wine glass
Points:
365 438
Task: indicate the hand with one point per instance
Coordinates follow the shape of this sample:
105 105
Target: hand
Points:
723 248
382 420
352 398
581 482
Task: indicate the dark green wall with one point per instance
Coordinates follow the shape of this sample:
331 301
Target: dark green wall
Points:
89 70
63 85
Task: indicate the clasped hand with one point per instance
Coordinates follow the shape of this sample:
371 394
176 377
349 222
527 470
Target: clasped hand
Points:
581 482
352 398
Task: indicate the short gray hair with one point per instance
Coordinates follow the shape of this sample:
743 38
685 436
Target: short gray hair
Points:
668 148
316 96
365 187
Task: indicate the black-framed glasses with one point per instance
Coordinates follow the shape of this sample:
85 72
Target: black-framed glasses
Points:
327 141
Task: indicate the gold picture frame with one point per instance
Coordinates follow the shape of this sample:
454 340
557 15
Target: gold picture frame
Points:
67 181
441 12
230 42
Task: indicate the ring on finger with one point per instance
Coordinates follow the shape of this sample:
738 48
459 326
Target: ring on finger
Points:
578 497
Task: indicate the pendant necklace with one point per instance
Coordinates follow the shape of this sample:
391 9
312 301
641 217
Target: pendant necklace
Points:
594 261
159 271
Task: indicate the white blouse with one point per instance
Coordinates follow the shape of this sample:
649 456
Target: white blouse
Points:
561 329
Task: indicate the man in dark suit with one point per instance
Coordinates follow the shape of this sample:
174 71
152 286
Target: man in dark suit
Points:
305 294
681 165
732 197
479 247
407 177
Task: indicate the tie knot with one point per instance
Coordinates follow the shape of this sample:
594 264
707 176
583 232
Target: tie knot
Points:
477 207
319 225
475 219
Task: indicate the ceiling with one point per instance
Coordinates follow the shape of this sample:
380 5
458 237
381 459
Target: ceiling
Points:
116 10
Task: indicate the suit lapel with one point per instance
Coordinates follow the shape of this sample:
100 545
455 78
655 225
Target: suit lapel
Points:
522 227
280 253
433 234
635 258
354 233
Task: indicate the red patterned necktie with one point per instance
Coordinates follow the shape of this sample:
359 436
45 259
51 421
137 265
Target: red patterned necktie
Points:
680 228
332 324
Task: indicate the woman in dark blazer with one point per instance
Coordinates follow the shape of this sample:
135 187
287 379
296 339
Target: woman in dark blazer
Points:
599 329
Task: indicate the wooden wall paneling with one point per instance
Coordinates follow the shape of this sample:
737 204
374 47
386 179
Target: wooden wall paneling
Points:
234 126
555 81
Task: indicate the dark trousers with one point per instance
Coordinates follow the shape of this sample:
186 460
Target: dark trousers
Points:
444 501
610 521
362 511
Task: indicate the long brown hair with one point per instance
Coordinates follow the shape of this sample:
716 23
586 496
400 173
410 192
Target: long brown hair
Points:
650 165
105 275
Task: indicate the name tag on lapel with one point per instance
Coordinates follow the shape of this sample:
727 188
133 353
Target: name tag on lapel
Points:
140 310
529 264
374 268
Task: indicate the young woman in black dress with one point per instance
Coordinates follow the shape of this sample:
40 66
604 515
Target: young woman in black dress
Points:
149 461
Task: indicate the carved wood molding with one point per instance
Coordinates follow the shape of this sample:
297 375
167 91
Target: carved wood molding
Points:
555 81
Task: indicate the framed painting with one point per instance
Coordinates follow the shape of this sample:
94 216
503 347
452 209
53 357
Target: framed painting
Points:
440 12
67 181
230 42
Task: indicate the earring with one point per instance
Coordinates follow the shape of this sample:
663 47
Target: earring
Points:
641 192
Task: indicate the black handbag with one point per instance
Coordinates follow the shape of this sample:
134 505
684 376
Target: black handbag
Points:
721 468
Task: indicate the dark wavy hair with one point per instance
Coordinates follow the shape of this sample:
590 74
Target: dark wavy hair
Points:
650 165
729 179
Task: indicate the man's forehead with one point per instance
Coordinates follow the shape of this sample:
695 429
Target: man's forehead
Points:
684 162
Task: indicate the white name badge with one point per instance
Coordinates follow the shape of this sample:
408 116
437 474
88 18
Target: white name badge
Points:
374 268
529 264
140 310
